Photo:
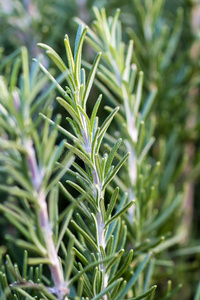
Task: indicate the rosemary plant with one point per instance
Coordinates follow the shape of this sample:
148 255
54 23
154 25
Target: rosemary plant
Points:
30 157
117 79
91 201
30 163
97 175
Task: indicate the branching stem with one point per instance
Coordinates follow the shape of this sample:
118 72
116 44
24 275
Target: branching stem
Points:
60 289
98 192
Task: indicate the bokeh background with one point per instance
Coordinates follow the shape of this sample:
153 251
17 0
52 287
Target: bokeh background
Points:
173 33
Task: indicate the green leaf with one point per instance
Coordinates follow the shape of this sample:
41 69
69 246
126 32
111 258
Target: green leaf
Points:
133 279
106 92
108 120
120 212
113 28
124 267
69 109
16 191
82 84
69 258
86 118
115 224
129 53
63 229
86 236
75 202
163 216
53 209
17 224
186 251
98 167
114 260
15 74
126 73
79 289
24 245
22 292
89 198
173 41
25 260
107 289
107 81
20 178
38 260
61 129
169 293
94 111
87 268
13 214
144 295
145 150
148 103
9 58
112 155
83 224
112 202
69 54
96 227
77 52
149 274
52 79
87 284
116 169
80 154
82 173
25 66
90 33
114 292
169 242
7 294
78 37
96 281
91 78
105 126
119 288
120 241
103 21
81 257
35 239
103 163
60 174
48 146
109 245
75 129
94 145
13 269
54 56
138 93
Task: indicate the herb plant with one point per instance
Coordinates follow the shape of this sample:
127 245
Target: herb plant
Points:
121 210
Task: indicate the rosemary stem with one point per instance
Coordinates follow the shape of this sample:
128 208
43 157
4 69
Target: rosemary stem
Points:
101 231
60 288
98 194
101 242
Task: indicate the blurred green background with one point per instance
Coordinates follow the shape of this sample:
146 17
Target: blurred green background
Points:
174 34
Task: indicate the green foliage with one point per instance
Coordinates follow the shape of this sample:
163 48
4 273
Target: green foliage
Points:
96 197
